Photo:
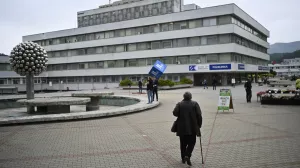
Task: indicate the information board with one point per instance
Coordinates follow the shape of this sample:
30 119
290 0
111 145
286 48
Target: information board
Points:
225 100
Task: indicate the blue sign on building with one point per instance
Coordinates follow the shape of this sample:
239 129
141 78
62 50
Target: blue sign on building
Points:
219 66
193 68
158 69
241 66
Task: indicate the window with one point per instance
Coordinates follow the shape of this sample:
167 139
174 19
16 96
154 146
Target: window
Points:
225 57
92 65
209 22
100 64
132 63
183 60
91 51
224 38
81 52
169 60
131 47
203 40
16 81
195 59
195 23
130 32
224 20
71 79
212 58
87 79
167 44
154 29
141 62
99 50
212 40
120 63
155 45
182 42
100 35
194 41
111 64
120 33
111 49
165 27
72 66
82 66
142 46
120 48
139 30
180 25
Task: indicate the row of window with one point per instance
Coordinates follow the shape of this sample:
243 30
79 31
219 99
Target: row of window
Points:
86 79
286 67
193 59
5 67
248 28
127 14
221 20
172 43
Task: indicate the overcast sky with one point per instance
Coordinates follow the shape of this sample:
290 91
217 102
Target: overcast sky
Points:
25 17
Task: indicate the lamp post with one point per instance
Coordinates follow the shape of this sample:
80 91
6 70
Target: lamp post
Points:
29 59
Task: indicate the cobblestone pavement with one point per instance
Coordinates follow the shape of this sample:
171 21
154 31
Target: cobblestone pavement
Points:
252 136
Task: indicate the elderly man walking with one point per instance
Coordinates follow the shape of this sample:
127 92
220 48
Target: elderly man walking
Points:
188 124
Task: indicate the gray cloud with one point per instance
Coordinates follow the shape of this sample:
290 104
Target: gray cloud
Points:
19 18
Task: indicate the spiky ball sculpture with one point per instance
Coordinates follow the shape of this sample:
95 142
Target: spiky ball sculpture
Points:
28 58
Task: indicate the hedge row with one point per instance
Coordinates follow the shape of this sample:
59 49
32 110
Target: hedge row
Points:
161 82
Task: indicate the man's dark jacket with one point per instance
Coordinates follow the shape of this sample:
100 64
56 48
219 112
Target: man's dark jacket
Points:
189 119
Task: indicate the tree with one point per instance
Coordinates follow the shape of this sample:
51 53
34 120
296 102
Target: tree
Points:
274 73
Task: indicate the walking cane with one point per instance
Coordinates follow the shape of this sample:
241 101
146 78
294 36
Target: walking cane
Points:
201 148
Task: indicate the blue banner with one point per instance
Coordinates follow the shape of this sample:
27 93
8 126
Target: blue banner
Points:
158 69
241 66
220 67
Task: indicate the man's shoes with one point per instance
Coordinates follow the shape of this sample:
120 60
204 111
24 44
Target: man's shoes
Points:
183 161
188 160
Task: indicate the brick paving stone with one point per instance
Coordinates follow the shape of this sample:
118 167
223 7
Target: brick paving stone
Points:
253 136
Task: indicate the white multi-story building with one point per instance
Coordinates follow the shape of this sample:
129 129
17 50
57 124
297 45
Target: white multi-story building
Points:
124 39
288 67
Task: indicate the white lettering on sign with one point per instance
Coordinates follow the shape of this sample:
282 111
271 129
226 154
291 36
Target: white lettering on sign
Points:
220 66
160 66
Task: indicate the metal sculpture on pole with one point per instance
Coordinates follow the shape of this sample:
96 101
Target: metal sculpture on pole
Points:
29 59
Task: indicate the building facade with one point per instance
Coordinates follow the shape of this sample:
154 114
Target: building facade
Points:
124 39
288 67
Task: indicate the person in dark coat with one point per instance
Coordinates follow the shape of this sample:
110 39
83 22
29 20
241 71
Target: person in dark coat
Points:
140 86
155 88
189 122
150 90
248 88
214 82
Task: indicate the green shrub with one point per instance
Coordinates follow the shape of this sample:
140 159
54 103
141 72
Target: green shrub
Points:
126 82
298 84
186 81
162 82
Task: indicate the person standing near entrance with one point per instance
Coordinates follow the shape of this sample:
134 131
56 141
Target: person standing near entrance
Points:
214 83
205 84
140 87
188 124
248 88
155 88
150 90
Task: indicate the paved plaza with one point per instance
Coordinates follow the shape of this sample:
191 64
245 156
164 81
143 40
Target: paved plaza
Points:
253 136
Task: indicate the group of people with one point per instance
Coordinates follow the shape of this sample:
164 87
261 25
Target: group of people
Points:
152 89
